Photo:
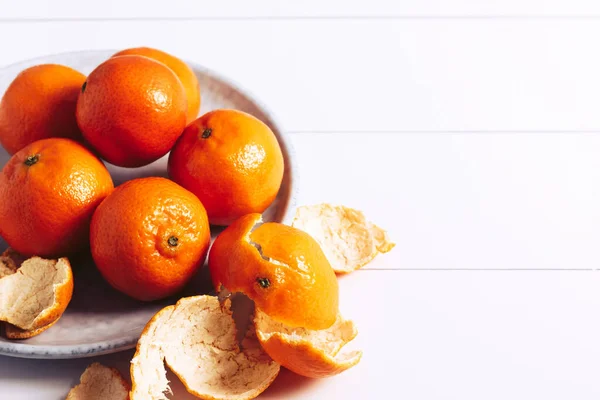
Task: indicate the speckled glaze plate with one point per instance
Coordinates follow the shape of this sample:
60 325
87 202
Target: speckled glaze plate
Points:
100 320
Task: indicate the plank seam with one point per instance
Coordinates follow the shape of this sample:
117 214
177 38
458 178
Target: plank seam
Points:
480 269
260 18
448 131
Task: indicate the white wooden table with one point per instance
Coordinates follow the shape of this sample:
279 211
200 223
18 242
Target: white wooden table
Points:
470 129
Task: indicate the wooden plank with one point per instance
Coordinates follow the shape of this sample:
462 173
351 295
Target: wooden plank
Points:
373 75
72 9
429 335
464 201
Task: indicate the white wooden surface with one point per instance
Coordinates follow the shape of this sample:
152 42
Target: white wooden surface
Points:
183 9
372 75
469 129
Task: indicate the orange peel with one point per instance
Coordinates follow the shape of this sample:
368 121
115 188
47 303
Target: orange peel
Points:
347 238
99 382
14 333
281 268
196 338
310 353
34 293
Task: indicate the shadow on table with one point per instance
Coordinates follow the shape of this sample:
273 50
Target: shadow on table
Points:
288 384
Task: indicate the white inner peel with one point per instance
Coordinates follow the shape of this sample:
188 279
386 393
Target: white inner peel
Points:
347 238
100 383
30 292
196 338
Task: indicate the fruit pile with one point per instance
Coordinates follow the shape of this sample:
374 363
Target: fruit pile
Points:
149 236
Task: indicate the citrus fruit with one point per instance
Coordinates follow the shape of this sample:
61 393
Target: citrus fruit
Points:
197 339
131 110
231 161
48 193
149 237
40 103
282 269
310 353
181 69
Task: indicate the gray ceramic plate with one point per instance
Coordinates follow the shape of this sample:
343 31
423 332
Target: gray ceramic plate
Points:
99 320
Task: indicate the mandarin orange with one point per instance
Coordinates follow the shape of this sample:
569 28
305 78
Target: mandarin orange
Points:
39 104
48 193
231 161
182 70
149 237
131 110
282 269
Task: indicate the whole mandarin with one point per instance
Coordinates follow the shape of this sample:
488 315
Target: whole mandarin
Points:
39 104
131 110
48 193
185 74
230 160
149 237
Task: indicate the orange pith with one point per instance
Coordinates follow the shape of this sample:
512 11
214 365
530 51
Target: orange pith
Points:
231 161
39 104
182 70
149 237
48 193
282 269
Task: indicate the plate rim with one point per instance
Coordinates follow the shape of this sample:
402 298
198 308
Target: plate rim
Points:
18 349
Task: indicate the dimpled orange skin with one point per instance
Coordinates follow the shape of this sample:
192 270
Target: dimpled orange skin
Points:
231 161
46 207
131 238
302 293
39 104
182 70
132 110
